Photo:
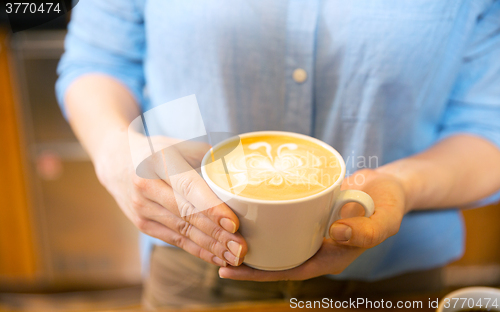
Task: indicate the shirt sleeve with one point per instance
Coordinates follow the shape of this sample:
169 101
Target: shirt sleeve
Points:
104 37
474 105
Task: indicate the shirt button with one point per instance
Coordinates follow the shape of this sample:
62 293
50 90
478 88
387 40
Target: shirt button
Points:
299 75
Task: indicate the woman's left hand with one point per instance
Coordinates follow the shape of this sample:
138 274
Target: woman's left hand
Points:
350 236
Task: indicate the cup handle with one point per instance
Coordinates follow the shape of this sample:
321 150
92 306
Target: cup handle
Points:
348 196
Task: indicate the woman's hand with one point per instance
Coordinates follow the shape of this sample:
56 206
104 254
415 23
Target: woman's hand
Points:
350 236
180 210
100 110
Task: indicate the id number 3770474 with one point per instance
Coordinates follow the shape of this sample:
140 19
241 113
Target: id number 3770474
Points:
31 7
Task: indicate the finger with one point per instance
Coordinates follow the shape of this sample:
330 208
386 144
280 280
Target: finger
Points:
246 273
188 230
155 229
352 210
190 186
193 151
330 259
163 195
388 197
365 232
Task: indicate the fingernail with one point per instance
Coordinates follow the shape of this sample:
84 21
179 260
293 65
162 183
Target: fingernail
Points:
228 225
341 232
219 261
235 248
220 275
231 258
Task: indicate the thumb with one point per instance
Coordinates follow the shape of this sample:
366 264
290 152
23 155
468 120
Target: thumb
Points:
365 232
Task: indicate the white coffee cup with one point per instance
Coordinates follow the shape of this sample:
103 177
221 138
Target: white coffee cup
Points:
282 234
484 298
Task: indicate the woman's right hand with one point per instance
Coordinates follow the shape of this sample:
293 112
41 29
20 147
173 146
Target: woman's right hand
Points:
181 210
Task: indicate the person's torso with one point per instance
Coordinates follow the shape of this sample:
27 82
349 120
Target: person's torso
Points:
379 73
378 78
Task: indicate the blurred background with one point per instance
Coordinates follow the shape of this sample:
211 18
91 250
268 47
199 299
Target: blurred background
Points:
64 243
60 231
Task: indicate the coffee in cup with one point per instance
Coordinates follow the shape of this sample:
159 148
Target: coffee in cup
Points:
275 167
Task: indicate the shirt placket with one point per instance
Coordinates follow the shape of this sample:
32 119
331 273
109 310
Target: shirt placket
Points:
302 20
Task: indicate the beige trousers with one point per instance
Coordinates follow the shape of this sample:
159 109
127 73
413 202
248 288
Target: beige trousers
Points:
178 280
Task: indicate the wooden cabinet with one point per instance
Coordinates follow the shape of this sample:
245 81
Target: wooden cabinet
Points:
59 228
17 246
483 236
480 264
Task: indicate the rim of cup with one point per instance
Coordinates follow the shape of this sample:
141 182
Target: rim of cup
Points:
466 293
277 201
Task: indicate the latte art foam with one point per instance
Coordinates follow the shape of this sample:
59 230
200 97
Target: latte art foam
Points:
290 166
277 168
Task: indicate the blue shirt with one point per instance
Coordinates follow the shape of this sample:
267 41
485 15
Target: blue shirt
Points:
384 78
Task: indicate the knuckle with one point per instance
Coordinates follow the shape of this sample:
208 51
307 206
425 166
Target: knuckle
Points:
217 233
135 199
139 183
213 246
137 202
188 212
186 184
371 237
198 253
179 241
141 224
212 212
184 228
